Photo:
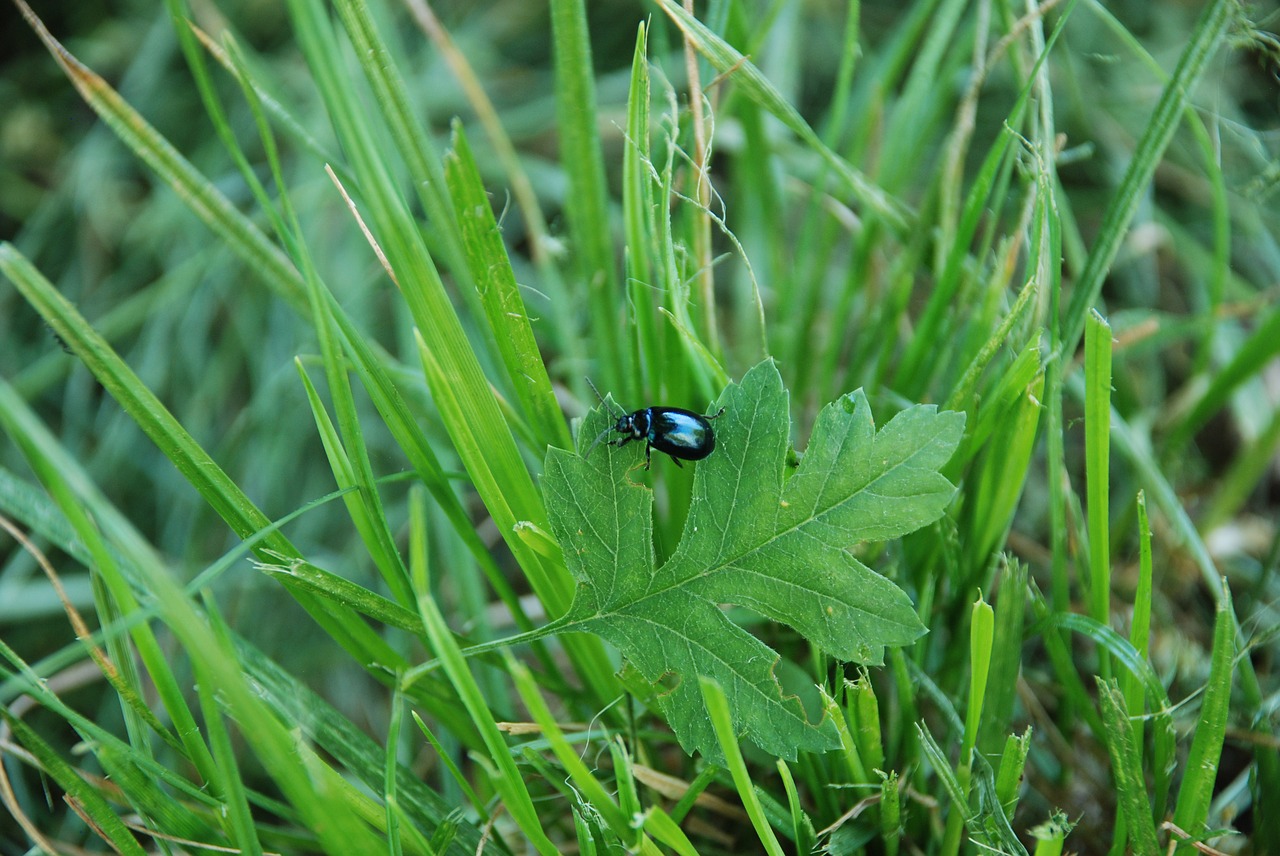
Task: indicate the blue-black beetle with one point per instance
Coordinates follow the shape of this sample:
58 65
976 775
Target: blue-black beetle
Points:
678 432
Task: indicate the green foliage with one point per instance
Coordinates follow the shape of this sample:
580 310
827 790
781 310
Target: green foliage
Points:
304 465
760 534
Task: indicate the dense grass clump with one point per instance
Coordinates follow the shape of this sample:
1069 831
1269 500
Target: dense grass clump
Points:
302 551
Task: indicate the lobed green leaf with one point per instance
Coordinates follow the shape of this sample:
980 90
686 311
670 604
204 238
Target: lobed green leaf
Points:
759 536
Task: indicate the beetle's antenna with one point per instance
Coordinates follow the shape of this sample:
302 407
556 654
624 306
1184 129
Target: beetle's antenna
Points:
607 409
621 412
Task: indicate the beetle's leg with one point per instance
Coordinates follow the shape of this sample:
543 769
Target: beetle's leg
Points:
677 460
647 450
718 412
599 439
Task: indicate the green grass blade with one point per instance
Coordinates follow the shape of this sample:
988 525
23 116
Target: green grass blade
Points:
542 245
1205 40
190 44
133 396
339 590
413 443
191 460
917 112
981 634
587 199
989 184
282 119
198 192
1003 436
68 486
963 396
157 809
458 387
104 818
230 783
1066 671
1006 655
456 774
238 232
1119 648
726 59
950 783
801 827
506 776
864 710
389 788
30 681
1140 626
1097 423
348 457
1136 447
320 724
500 296
1205 755
850 744
1013 764
355 476
489 471
1056 474
1126 770
718 708
639 219
404 122
1218 264
1258 351
625 786
326 811
584 780
663 828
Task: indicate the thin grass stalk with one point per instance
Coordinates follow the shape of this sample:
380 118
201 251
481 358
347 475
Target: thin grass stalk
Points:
726 60
1126 770
1097 415
1206 36
586 203
479 431
1191 813
718 708
639 222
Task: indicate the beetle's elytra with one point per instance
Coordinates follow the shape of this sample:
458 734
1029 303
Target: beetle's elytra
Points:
679 433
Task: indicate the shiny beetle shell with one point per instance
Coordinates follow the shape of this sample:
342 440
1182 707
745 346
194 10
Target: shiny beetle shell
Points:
674 431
